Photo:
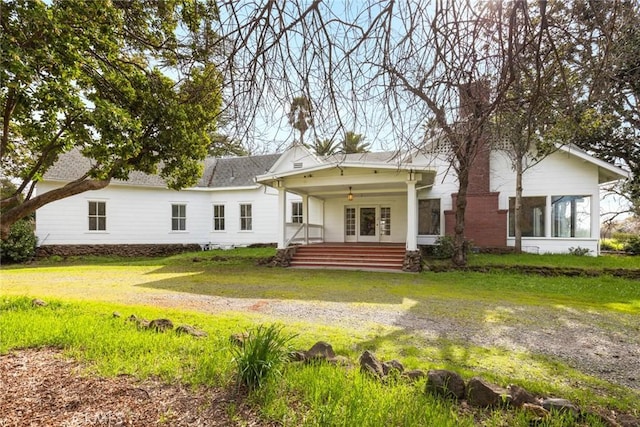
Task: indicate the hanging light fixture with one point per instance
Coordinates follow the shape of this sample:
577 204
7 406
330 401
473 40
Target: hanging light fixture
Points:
350 195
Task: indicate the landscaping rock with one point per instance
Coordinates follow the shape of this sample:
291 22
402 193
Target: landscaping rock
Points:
445 383
339 361
414 374
371 365
520 396
38 302
321 350
190 330
139 321
116 314
160 325
626 420
392 365
483 394
536 410
560 405
297 356
239 339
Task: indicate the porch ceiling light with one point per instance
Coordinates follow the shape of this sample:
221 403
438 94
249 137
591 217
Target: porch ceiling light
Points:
350 195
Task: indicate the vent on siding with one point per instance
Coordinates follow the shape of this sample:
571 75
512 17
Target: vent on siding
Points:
297 165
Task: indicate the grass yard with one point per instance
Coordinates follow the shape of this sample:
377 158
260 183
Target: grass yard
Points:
401 316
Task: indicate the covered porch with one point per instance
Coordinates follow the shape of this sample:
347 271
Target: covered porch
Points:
350 201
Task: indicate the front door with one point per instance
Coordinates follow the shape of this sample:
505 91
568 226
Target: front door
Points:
367 224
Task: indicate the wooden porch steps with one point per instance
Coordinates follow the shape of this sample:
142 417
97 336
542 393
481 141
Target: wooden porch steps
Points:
357 256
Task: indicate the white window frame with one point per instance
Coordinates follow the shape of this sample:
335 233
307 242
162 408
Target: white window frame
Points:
217 218
297 213
97 216
246 221
180 217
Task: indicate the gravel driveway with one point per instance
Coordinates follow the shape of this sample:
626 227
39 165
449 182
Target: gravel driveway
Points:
605 345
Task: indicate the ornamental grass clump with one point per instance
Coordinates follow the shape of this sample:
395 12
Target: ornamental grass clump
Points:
262 354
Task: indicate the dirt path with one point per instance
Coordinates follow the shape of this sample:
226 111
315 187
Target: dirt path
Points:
603 344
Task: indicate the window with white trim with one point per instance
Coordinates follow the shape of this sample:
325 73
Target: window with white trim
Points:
97 216
245 217
571 216
296 212
429 217
533 209
218 217
178 217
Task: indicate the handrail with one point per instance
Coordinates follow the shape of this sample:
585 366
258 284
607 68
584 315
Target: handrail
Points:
288 242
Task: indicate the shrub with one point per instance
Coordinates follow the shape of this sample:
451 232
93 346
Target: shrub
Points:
20 245
611 245
261 355
443 247
633 245
578 251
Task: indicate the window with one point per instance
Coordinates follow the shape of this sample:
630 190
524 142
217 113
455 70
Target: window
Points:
350 222
245 217
571 216
429 217
178 217
533 209
296 212
218 217
97 216
385 221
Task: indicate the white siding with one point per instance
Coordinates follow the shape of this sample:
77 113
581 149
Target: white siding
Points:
142 215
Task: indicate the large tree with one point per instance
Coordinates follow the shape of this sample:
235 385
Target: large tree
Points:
132 85
606 35
354 143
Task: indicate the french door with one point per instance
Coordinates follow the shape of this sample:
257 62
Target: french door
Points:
367 223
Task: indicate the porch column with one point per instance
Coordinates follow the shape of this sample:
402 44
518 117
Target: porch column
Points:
282 216
305 211
412 215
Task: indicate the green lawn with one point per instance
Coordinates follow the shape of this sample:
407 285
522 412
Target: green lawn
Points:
84 293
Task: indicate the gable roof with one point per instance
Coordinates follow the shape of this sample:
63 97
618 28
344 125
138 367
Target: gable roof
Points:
218 172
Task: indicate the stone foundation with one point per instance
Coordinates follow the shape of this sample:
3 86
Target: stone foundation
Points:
283 257
116 250
412 261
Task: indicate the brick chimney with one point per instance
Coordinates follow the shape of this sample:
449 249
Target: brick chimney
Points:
485 223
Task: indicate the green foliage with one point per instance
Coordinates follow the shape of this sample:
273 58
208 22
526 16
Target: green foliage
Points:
261 355
301 115
132 85
443 248
20 245
633 245
611 245
578 251
354 143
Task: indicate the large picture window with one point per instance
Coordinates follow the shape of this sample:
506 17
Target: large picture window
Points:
571 216
533 209
429 217
245 217
178 217
296 212
218 217
97 216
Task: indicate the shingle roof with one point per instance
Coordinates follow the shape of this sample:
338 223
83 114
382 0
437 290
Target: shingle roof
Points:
224 172
382 157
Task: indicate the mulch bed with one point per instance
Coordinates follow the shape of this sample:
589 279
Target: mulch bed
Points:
42 388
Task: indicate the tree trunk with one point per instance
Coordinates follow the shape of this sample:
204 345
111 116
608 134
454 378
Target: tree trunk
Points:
518 207
11 216
459 257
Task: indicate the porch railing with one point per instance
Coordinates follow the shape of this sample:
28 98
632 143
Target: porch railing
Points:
296 233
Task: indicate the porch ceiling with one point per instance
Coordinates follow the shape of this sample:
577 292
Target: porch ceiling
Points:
364 182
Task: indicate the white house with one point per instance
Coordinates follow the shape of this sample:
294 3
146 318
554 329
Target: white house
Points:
296 196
